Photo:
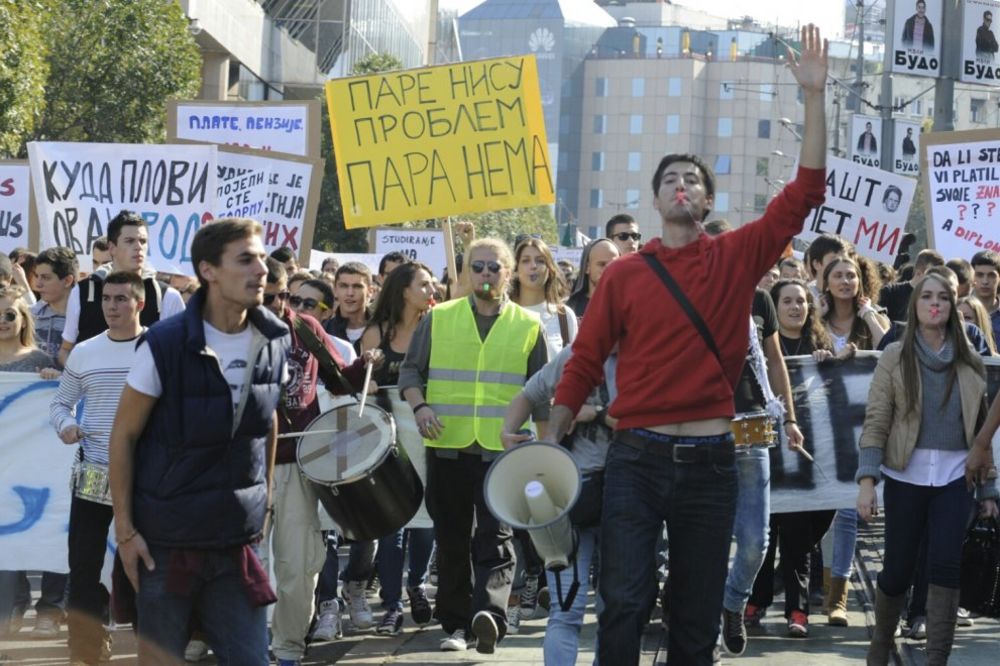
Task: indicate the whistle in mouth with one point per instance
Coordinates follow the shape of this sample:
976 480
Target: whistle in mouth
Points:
486 287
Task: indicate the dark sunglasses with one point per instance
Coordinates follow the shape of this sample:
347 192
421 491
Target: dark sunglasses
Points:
478 266
306 303
269 298
9 316
628 235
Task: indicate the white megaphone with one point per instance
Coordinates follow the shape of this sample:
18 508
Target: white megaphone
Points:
533 487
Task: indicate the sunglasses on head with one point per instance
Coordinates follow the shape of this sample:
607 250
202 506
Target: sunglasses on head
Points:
306 303
269 298
478 266
628 235
9 316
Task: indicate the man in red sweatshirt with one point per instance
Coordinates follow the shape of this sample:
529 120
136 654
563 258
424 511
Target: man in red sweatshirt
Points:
673 458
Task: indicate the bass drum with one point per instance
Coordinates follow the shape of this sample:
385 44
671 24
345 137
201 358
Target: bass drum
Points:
363 478
409 436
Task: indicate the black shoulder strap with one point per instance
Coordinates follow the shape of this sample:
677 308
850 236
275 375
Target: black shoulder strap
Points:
563 326
675 289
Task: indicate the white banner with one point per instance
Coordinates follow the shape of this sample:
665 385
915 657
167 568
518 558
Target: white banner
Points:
916 37
867 206
317 257
80 187
866 137
15 189
906 147
979 42
283 127
423 245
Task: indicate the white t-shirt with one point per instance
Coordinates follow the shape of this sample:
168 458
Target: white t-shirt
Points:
171 304
344 348
232 349
550 323
354 334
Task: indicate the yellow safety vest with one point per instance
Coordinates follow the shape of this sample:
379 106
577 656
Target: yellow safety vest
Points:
470 381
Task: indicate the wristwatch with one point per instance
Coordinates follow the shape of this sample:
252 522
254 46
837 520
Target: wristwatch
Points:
600 412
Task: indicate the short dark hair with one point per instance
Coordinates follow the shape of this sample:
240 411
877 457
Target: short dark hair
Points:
961 268
892 189
926 258
395 256
126 218
275 271
620 218
986 257
323 287
822 246
211 240
62 260
706 173
133 280
333 260
283 254
354 268
100 243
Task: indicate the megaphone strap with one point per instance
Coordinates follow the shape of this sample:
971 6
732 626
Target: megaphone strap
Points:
567 603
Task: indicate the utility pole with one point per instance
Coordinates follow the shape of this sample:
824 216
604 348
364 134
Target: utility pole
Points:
432 33
951 61
887 103
854 102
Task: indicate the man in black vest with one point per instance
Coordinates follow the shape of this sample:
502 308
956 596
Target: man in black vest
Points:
128 236
192 455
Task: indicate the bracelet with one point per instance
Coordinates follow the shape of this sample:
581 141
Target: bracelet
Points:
787 421
419 407
132 535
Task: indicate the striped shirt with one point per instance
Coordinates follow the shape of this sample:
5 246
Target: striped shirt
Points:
95 374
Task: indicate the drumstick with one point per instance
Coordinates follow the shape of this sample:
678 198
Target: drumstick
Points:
807 456
364 392
289 435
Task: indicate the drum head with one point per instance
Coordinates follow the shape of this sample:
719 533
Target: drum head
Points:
345 447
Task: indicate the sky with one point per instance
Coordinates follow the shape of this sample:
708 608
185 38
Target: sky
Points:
827 14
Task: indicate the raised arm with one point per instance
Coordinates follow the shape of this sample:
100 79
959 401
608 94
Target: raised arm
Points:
810 70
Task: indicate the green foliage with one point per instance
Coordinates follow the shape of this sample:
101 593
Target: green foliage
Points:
375 63
509 224
916 220
23 71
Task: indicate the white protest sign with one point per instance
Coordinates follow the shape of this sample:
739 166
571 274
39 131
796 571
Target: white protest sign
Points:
242 195
866 133
570 254
424 245
979 42
80 187
864 205
916 37
288 214
284 127
962 176
15 205
317 257
905 147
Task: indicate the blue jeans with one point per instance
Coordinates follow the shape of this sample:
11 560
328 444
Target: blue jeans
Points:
562 634
698 502
236 631
939 514
753 507
845 536
329 576
15 594
419 543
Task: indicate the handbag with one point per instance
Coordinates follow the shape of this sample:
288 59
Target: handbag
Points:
980 576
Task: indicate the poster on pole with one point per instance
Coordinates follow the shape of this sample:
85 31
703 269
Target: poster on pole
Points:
864 205
905 147
962 185
80 187
866 133
437 141
424 245
15 206
284 127
288 213
916 37
979 42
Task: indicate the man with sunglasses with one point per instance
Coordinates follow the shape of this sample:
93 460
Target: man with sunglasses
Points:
679 309
299 550
623 231
467 360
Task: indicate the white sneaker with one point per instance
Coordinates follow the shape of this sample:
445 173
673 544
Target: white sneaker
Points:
328 625
195 651
357 605
457 642
964 618
513 619
485 629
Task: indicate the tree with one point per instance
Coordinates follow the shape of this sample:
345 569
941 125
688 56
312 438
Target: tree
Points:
507 225
113 64
23 72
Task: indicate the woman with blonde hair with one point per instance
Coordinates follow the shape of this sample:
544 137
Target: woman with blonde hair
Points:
973 311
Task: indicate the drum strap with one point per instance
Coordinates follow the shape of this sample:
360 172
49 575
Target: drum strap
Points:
329 371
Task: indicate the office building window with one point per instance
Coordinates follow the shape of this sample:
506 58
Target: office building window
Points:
767 93
596 198
977 109
762 165
635 124
759 203
674 86
632 198
634 161
917 107
721 202
723 165
599 123
597 161
725 90
725 127
638 87
673 124
763 129
601 87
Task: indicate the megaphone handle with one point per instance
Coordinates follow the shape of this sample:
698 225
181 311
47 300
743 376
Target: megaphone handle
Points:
566 604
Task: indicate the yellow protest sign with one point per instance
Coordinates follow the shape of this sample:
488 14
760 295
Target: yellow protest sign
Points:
438 141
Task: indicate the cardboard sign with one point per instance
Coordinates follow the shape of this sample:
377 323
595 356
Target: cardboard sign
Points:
916 37
80 187
15 204
866 138
283 127
864 205
438 141
424 245
906 147
288 210
317 257
979 42
962 177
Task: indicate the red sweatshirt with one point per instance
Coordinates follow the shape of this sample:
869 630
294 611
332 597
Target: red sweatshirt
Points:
666 373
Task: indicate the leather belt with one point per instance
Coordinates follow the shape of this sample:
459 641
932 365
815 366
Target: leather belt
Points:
752 430
680 451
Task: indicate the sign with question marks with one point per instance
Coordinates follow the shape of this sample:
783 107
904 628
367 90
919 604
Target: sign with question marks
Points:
962 182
